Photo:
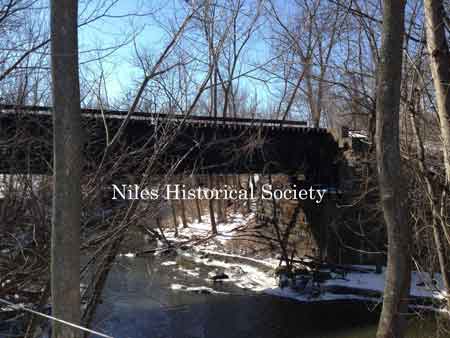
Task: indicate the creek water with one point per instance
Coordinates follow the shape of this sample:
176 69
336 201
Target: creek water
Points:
139 301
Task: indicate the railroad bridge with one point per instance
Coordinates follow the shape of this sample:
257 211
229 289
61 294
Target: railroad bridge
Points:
198 144
203 145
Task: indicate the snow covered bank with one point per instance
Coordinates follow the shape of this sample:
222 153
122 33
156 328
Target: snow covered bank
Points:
364 286
202 248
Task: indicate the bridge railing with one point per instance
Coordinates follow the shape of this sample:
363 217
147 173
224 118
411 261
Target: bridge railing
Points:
154 117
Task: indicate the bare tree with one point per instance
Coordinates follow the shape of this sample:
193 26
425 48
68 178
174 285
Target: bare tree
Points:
67 145
439 56
440 68
398 274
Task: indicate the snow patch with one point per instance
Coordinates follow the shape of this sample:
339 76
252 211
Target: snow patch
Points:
193 273
128 254
201 230
196 289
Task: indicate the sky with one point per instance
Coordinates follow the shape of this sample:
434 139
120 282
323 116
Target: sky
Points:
141 32
108 45
118 35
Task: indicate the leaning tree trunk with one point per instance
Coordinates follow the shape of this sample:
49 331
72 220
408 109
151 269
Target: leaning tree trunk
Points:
398 272
440 69
439 55
67 159
434 201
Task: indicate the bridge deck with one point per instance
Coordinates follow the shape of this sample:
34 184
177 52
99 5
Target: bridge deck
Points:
198 143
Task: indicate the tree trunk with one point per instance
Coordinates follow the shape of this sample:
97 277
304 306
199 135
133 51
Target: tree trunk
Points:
212 217
211 209
198 209
439 55
183 214
433 199
215 183
221 204
67 162
249 201
440 69
398 272
197 201
174 216
235 181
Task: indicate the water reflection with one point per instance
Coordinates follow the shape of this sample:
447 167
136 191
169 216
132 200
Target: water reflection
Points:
138 302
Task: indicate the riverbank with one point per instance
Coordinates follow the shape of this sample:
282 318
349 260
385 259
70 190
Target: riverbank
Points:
153 296
235 264
204 273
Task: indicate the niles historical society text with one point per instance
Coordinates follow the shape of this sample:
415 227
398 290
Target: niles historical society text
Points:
182 192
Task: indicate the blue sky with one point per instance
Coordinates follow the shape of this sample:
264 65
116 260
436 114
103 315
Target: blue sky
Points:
114 30
110 32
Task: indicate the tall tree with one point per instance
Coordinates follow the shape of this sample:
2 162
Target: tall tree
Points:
398 274
67 159
439 55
